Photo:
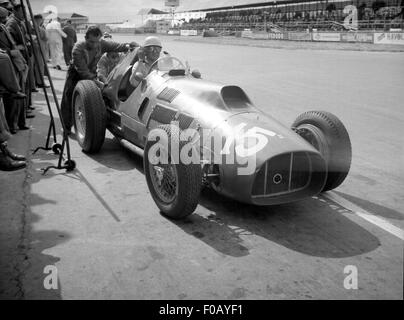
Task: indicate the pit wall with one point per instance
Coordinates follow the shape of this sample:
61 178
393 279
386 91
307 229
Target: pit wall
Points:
353 37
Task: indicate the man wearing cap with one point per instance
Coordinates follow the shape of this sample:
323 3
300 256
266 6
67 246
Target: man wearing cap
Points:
5 4
83 66
69 41
148 53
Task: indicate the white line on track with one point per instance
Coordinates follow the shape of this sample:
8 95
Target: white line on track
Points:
381 223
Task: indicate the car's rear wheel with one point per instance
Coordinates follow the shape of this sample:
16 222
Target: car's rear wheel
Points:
327 134
89 116
174 186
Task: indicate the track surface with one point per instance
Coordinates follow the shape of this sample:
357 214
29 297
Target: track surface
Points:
102 230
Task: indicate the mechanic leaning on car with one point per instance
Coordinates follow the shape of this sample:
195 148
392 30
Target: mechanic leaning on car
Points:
148 53
83 65
106 64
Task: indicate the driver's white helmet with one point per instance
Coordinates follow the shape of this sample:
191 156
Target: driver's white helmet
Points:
152 41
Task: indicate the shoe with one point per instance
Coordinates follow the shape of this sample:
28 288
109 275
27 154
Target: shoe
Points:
8 164
58 67
18 95
31 108
34 90
6 151
13 131
24 128
30 116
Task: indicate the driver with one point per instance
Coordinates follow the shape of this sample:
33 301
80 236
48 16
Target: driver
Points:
148 53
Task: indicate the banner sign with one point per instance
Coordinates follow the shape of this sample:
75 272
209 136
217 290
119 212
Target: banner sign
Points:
389 38
326 36
246 34
259 36
262 35
357 37
299 36
276 36
189 32
174 32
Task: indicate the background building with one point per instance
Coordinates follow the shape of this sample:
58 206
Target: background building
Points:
77 19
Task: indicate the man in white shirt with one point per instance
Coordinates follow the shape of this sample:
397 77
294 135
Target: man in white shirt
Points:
55 34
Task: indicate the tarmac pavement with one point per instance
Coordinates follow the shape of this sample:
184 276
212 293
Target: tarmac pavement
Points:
101 229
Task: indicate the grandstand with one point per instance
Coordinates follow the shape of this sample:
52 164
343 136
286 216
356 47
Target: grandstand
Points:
299 15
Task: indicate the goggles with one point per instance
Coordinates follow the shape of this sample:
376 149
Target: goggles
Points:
151 49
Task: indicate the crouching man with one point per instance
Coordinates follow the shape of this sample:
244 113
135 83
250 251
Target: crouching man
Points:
106 64
86 55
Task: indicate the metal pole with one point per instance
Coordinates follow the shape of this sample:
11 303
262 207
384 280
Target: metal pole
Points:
70 164
36 58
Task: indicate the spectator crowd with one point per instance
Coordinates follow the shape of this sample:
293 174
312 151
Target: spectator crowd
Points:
21 65
322 15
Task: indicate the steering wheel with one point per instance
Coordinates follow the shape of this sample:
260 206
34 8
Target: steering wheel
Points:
166 57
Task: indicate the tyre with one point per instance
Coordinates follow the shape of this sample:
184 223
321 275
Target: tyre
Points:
327 134
175 187
89 114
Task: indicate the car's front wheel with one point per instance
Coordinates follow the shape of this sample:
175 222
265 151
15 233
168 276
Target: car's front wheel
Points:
327 134
174 186
89 114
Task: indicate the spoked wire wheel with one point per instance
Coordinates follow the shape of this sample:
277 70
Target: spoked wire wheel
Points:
175 187
90 116
80 118
165 181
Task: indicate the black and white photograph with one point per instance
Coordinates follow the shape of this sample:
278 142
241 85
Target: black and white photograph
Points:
200 155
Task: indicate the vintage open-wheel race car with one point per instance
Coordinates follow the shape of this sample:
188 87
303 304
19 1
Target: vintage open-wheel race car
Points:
269 162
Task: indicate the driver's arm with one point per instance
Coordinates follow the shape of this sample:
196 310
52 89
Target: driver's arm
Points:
111 46
102 69
138 67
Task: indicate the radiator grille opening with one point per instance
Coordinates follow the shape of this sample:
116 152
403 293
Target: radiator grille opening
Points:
283 174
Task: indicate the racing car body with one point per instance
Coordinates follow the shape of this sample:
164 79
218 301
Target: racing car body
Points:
271 163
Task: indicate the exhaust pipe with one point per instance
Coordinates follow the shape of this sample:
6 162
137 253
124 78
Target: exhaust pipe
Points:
131 147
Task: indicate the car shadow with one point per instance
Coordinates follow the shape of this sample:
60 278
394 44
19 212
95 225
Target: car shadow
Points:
312 227
113 156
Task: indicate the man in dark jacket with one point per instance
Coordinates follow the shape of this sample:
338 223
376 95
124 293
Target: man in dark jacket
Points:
13 108
69 41
86 55
9 161
16 28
